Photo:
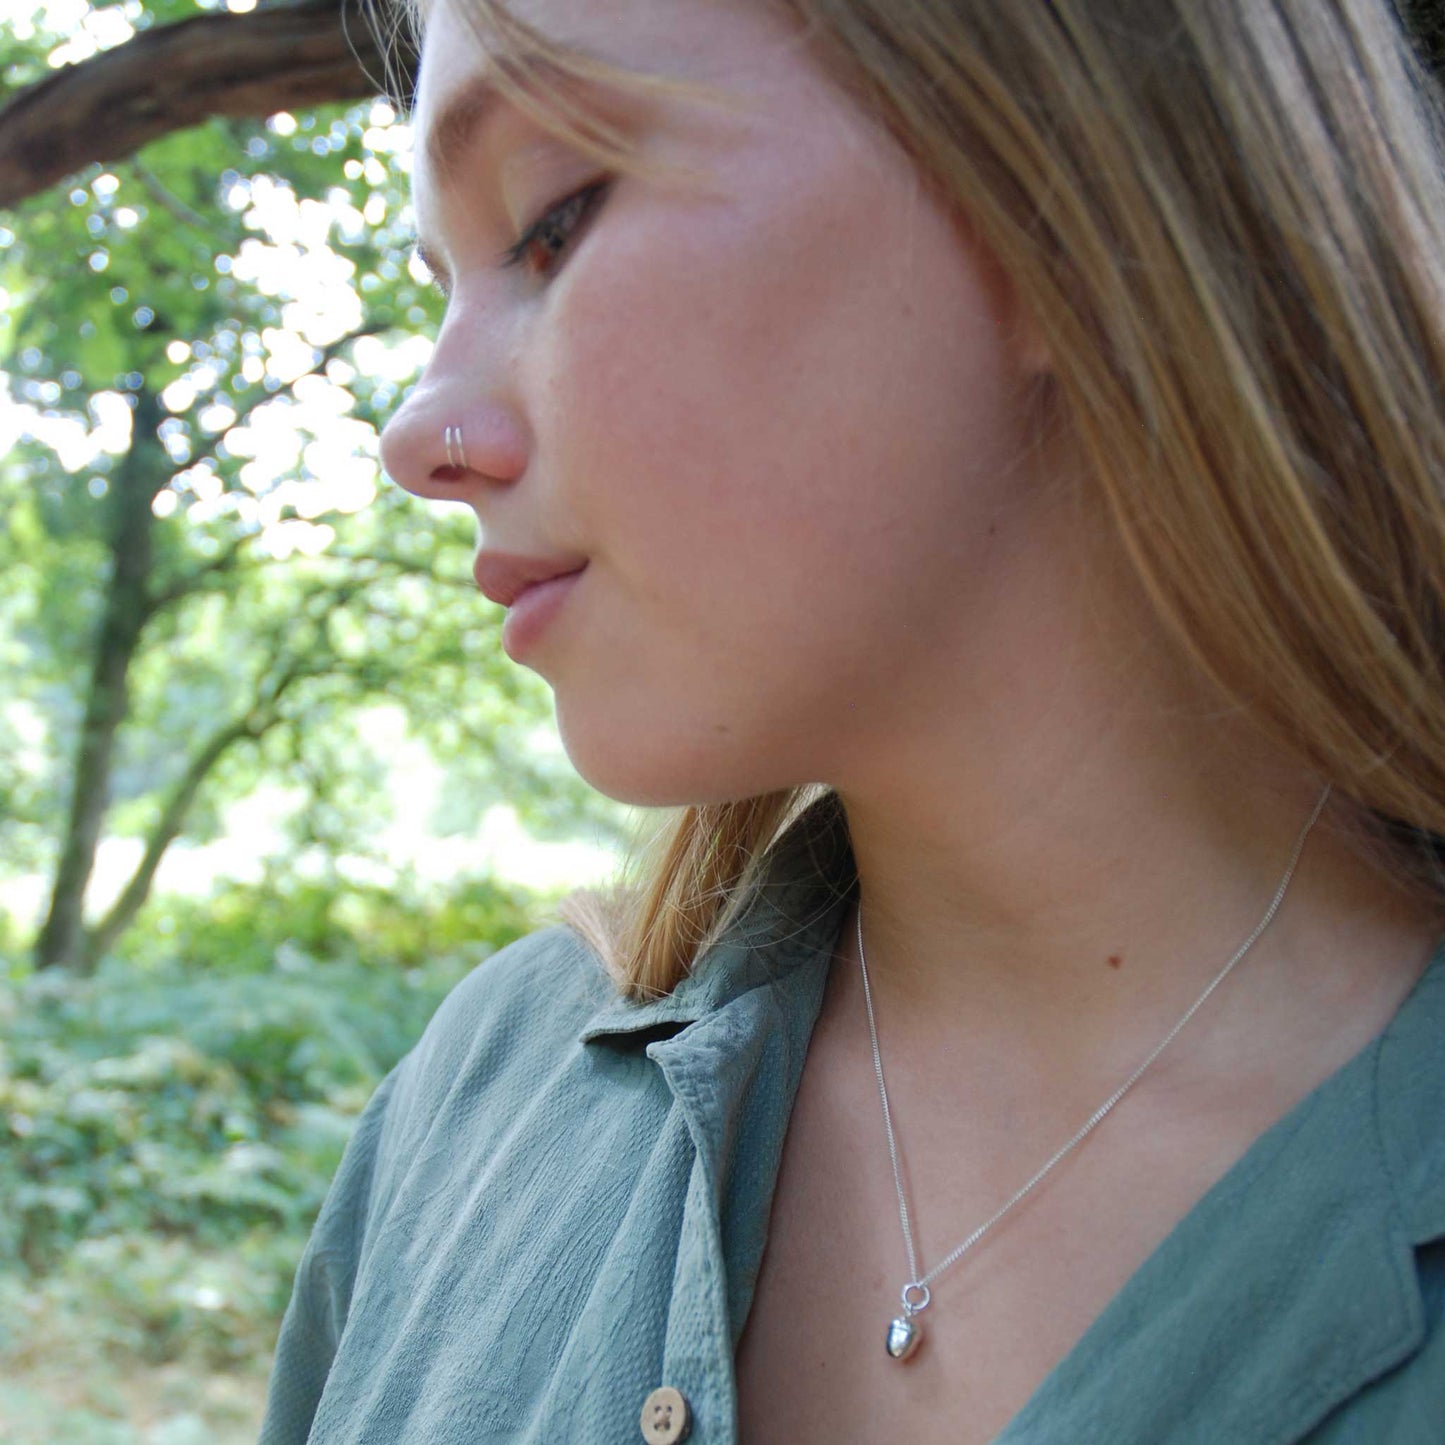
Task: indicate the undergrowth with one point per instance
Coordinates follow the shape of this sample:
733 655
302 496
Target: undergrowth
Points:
169 1126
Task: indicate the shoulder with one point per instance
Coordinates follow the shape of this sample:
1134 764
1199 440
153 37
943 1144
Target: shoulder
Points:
525 1004
549 981
421 1142
513 1021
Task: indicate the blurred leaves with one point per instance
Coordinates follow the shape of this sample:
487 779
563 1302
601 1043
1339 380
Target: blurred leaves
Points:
254 280
161 1123
198 345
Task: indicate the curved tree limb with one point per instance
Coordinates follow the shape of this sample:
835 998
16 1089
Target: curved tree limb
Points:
279 57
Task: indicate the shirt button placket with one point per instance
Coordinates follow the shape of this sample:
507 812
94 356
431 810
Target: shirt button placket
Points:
666 1418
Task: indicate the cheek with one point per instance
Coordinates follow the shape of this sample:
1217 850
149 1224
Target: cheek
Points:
764 386
781 425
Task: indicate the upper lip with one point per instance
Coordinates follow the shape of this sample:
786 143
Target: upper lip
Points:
504 576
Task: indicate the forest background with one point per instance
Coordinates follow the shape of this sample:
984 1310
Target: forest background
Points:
268 786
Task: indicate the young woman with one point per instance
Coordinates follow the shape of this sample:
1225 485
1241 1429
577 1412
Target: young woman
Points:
983 466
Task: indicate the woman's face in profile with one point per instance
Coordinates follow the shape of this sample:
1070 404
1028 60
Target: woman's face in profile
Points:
775 413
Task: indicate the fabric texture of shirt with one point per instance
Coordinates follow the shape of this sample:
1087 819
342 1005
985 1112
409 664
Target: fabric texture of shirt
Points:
558 1201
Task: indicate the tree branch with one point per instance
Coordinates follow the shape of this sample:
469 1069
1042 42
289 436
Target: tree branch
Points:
198 577
100 939
290 56
263 715
155 188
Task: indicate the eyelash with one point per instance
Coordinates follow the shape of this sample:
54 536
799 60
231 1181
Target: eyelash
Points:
578 206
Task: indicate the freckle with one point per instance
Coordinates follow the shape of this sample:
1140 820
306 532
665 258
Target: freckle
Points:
1116 960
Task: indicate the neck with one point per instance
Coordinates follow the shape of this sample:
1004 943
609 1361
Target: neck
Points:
1055 860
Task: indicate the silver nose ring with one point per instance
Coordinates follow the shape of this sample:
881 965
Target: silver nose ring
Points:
452 441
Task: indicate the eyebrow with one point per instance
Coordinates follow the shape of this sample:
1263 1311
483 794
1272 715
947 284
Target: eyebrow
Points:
473 105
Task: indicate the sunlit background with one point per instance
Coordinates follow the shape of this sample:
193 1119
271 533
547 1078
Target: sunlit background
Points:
268 786
286 255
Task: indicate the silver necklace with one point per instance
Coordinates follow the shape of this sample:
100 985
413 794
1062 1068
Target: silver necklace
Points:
904 1331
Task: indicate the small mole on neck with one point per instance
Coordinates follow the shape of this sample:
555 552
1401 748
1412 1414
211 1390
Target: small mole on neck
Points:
1116 960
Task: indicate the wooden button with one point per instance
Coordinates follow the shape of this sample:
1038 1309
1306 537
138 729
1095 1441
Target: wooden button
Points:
665 1417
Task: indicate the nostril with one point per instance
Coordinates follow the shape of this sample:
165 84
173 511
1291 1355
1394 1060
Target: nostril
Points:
431 456
448 475
441 484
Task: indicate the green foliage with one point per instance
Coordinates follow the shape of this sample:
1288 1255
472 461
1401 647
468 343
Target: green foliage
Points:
168 1129
261 928
156 1299
169 1125
194 1090
250 284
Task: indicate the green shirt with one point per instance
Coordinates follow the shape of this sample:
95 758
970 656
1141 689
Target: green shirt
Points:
558 1201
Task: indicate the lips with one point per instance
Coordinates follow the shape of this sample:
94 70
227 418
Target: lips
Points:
504 576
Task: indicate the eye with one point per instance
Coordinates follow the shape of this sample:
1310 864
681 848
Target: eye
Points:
545 240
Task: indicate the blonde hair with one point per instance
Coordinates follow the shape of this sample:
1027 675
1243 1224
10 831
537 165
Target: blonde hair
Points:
1229 222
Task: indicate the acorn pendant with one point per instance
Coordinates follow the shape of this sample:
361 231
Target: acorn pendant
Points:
904 1332
904 1335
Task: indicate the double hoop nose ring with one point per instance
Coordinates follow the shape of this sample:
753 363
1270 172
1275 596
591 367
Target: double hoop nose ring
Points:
452 441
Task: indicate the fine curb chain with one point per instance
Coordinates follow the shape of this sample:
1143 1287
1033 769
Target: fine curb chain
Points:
917 1283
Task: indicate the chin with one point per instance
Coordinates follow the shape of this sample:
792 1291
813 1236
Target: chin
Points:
661 768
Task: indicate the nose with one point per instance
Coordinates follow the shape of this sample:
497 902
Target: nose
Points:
457 436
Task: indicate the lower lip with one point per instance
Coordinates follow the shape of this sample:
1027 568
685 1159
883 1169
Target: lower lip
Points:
532 613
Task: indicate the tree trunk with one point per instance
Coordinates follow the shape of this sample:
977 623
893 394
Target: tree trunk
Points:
128 606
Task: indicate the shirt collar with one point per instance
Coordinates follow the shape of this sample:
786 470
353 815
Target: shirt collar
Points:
791 918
